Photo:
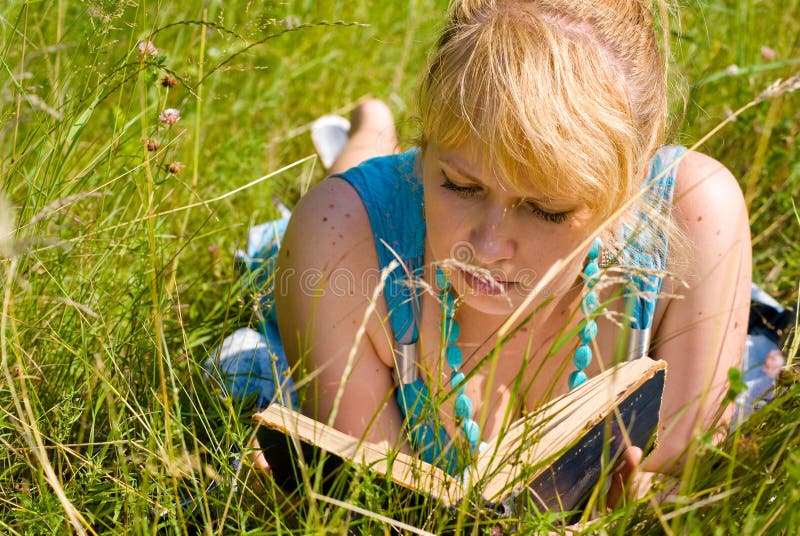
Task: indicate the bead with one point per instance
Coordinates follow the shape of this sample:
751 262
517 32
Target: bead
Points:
457 381
454 356
583 356
471 431
594 250
590 273
448 301
590 303
463 407
441 279
589 331
576 378
591 269
447 324
454 333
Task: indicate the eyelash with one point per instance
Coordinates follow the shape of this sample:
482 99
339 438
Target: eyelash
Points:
468 191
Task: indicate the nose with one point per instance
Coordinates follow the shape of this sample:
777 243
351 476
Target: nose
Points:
491 237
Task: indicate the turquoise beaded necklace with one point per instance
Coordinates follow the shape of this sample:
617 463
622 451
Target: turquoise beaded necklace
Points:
464 409
589 304
450 332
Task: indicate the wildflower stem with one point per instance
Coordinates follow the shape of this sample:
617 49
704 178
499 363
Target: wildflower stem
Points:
198 124
155 271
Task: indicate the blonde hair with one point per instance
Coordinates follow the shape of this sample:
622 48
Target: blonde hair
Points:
564 96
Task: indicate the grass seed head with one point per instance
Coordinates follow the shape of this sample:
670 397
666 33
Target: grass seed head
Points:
7 241
174 168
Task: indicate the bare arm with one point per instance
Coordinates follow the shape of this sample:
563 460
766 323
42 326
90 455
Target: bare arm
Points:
701 334
323 297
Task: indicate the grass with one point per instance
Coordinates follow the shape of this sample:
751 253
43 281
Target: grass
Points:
120 279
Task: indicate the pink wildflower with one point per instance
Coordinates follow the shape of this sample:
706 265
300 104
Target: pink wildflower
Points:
767 53
147 48
170 116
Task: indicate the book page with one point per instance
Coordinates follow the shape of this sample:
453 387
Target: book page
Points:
407 471
533 442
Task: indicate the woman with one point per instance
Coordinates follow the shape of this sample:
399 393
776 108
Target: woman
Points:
542 129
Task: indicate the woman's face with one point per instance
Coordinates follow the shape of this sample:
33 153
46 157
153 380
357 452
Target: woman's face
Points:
504 241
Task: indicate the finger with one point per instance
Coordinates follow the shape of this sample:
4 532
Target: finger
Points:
257 458
257 470
624 476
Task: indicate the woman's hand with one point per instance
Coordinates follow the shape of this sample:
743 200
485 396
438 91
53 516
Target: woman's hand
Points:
257 460
624 480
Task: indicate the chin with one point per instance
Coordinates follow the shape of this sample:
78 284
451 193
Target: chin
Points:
490 305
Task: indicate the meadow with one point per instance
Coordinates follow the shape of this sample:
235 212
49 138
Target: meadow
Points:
120 222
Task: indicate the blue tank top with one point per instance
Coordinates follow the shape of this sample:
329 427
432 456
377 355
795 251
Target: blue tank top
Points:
391 189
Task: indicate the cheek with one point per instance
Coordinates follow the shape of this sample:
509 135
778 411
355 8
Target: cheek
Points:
541 246
447 224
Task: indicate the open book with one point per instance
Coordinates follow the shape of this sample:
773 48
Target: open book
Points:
553 456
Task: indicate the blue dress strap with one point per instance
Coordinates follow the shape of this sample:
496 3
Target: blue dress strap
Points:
646 244
391 191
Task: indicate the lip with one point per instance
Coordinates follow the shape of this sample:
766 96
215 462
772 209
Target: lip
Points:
482 286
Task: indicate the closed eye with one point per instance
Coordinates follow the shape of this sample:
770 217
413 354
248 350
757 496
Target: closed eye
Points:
462 191
552 217
472 191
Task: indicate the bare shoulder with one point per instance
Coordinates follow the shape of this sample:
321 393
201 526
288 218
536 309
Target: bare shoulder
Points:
705 191
711 215
327 225
332 322
710 211
326 259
